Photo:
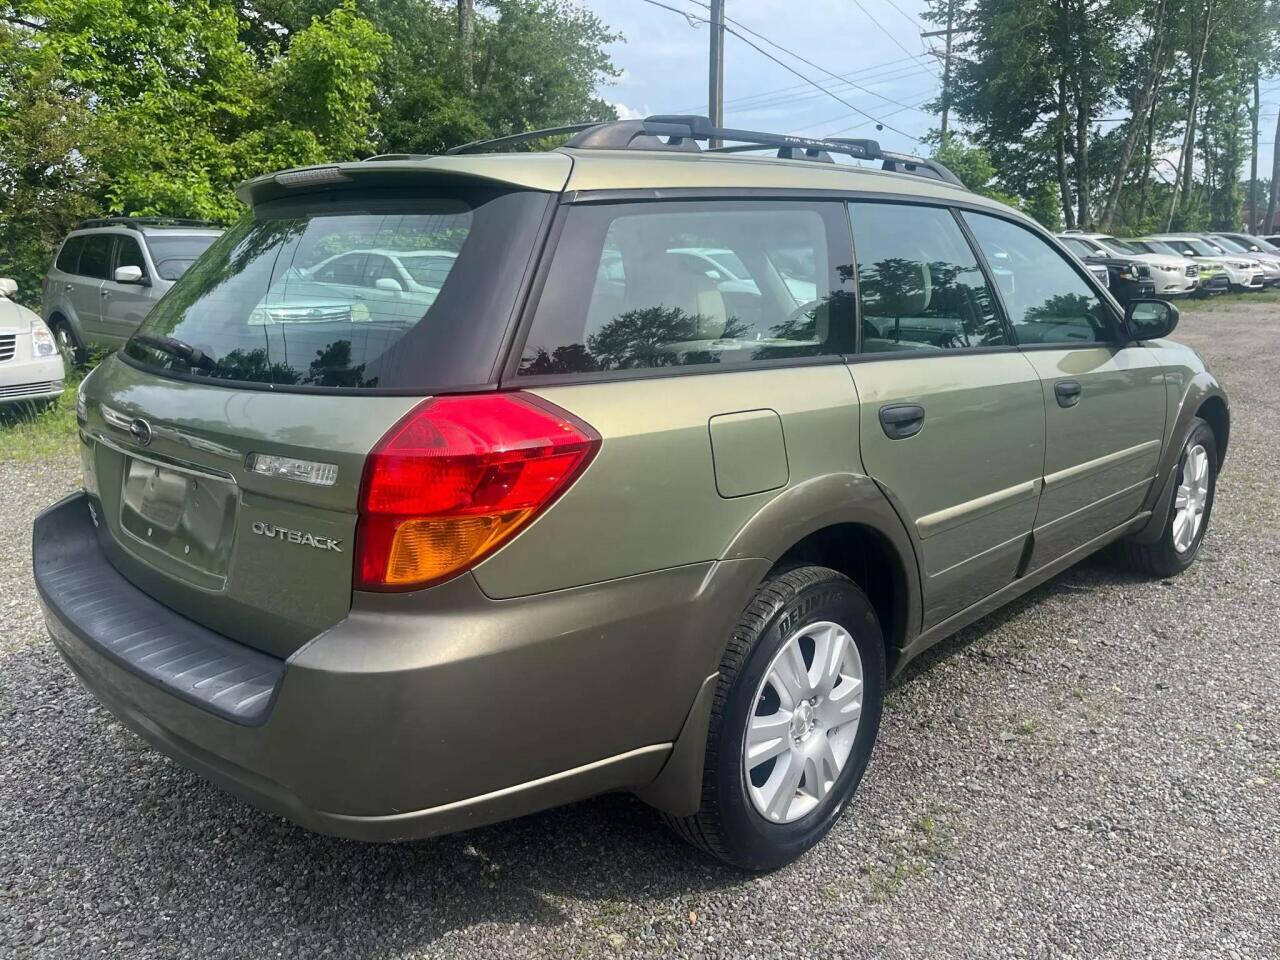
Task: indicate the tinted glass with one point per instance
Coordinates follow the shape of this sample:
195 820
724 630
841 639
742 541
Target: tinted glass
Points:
1078 247
645 285
1047 298
430 271
69 255
280 298
95 258
129 254
919 283
174 254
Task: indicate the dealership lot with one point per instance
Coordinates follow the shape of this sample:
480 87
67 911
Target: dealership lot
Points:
1091 772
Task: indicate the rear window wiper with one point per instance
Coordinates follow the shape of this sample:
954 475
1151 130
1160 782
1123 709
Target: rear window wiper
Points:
194 356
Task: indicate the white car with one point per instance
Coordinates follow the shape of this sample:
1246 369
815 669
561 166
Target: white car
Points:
1173 276
1243 273
1270 262
30 364
391 271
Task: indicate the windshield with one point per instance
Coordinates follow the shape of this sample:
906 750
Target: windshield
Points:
1263 245
350 291
1078 247
1155 246
1194 247
174 254
1230 245
1120 245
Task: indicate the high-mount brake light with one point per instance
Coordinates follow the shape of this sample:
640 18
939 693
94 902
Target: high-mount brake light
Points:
458 477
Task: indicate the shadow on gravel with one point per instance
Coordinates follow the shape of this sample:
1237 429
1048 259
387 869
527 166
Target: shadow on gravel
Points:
116 837
127 837
1095 572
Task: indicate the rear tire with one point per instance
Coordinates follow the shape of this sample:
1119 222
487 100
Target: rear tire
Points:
69 345
1195 483
828 619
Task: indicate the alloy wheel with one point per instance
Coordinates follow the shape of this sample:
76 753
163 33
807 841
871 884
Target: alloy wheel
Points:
1191 498
807 711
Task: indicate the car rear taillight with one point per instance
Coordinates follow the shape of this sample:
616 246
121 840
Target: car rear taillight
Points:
458 477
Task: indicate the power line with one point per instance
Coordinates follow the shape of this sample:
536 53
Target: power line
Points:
905 14
769 98
879 26
765 53
802 59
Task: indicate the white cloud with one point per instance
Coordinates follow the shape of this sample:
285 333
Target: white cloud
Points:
630 113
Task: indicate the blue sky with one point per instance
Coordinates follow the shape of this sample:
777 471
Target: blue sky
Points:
875 43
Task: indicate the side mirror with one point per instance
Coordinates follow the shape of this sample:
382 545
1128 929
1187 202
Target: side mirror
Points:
1150 319
128 275
8 286
389 284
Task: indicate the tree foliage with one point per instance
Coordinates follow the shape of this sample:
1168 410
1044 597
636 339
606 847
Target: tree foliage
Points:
163 106
1136 113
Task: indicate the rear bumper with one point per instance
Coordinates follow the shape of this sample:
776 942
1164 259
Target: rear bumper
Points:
418 714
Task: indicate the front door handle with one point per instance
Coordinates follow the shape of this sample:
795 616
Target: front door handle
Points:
902 420
1067 392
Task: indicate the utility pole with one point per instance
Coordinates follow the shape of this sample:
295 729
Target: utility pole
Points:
1252 225
715 72
948 33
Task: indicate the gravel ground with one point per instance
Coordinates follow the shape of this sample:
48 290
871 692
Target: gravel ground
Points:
1091 772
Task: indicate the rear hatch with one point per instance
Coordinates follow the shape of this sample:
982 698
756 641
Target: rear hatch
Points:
226 442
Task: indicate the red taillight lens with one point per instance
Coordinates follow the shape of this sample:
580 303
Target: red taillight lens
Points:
458 477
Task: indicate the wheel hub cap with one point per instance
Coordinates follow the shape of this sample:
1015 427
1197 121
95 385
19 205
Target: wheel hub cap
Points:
1192 497
806 717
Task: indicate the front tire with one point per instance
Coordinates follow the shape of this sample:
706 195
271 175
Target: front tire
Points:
1195 483
795 716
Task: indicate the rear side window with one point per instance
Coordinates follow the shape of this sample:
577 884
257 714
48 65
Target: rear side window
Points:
95 258
173 254
284 297
641 286
69 256
1047 298
919 283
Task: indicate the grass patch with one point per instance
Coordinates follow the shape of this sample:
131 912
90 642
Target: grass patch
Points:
30 431
1229 300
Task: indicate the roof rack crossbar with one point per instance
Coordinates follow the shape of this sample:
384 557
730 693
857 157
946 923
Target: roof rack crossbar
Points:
136 223
682 131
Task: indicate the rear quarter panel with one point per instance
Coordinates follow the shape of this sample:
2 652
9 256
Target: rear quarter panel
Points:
650 499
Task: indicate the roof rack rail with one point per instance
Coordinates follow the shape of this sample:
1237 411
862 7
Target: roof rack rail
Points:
683 131
137 223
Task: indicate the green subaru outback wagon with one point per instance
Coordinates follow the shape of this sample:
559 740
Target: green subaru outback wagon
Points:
444 489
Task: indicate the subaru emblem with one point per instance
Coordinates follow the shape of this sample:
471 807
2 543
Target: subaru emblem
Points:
140 430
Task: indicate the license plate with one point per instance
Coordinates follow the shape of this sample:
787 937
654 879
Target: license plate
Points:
187 517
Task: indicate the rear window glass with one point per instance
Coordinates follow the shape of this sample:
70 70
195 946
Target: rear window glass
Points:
328 293
647 285
173 254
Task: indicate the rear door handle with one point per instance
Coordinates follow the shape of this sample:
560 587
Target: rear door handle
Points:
902 420
1068 392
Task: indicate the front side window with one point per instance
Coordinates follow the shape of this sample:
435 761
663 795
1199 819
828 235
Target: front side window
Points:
639 286
919 283
129 254
1047 299
285 297
95 258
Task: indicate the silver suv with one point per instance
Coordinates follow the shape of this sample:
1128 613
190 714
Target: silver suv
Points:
109 272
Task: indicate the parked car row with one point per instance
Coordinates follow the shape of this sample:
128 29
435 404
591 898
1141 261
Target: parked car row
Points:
1178 264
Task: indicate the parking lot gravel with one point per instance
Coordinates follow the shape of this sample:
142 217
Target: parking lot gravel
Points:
1091 772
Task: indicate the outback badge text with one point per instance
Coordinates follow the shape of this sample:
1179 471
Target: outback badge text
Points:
296 536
